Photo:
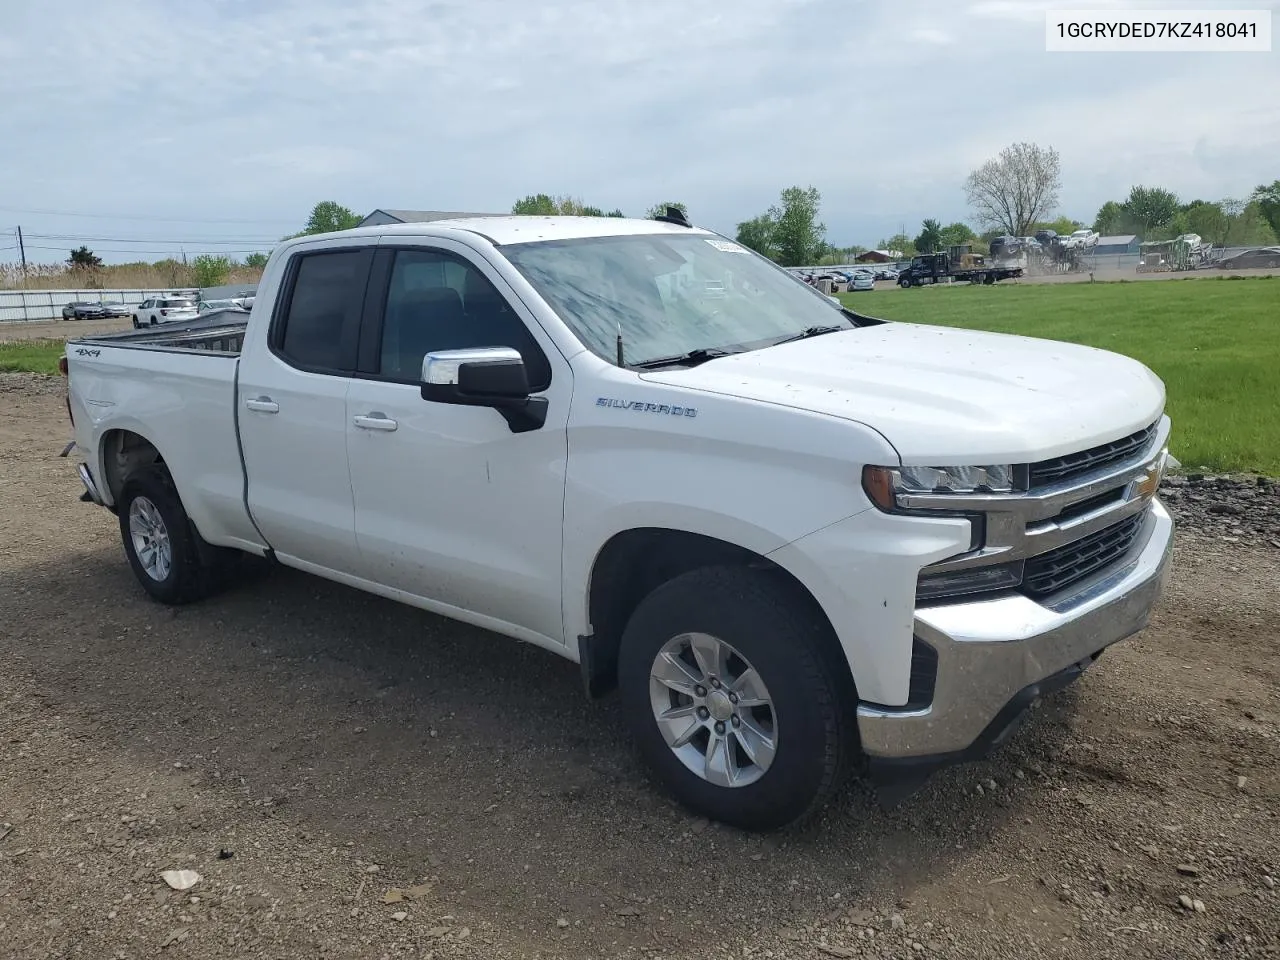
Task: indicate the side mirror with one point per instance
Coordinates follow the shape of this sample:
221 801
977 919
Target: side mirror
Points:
484 377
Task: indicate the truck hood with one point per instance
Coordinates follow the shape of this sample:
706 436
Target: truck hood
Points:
944 396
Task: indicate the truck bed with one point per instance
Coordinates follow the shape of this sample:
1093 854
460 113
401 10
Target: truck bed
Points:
220 331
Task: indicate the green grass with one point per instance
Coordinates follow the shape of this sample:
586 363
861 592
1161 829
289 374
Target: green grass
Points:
32 356
1215 343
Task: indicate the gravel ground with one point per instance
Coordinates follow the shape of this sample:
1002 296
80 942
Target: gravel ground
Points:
351 778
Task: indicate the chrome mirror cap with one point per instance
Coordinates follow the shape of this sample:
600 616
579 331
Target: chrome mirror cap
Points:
441 366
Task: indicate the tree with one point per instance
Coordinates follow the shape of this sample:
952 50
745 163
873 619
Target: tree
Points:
660 209
545 205
899 245
1149 207
329 217
256 261
930 239
957 233
615 213
757 233
1111 219
536 204
798 237
1246 224
1016 188
209 271
1207 220
1268 201
83 258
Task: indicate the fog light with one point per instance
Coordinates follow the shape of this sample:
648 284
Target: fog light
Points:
1002 576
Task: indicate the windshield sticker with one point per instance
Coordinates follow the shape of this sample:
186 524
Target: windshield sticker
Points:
727 246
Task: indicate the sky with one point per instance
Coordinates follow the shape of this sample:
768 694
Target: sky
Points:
164 125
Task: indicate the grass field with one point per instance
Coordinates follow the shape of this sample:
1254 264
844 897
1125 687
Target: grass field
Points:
35 356
1215 343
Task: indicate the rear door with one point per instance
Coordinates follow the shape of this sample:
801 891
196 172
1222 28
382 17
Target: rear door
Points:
451 506
291 409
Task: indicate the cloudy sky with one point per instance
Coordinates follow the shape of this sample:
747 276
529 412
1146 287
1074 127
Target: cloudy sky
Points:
161 121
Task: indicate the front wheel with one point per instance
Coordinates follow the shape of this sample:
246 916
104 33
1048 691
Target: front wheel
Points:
734 698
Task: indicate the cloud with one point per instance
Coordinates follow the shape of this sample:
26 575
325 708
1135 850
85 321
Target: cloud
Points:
257 109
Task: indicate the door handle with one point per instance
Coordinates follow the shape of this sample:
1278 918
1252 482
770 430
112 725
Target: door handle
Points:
262 405
375 421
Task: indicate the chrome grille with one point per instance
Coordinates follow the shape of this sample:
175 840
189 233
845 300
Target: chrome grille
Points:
1072 465
1067 565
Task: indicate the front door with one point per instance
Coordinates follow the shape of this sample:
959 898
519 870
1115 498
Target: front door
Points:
450 505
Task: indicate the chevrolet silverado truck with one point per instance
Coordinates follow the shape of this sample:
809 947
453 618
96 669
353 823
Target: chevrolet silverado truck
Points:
795 539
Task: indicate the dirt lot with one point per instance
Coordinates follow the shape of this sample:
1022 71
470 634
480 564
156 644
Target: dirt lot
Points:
312 752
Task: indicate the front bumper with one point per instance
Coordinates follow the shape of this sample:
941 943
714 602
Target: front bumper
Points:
997 656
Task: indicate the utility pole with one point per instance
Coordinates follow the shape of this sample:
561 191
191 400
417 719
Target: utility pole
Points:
22 252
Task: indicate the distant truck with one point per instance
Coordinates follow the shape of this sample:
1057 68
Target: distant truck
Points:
960 263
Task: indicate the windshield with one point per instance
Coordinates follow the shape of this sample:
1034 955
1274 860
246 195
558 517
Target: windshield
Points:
669 295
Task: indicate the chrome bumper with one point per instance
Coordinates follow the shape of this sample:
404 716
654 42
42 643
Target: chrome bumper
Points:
993 654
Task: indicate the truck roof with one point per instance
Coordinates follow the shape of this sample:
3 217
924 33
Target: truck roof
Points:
521 229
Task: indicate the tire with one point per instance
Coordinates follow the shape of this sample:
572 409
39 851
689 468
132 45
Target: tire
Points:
778 633
153 320
137 325
194 569
1273 264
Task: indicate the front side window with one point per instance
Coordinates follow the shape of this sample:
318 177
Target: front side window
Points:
669 294
438 302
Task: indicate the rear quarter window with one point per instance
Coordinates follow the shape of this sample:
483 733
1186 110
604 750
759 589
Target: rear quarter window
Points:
322 312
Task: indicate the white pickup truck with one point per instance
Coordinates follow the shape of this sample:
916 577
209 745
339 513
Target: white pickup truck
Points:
795 538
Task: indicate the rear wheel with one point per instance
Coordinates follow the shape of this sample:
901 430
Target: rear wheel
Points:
733 698
169 558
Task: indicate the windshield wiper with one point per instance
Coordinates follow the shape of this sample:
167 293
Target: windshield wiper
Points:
690 359
810 332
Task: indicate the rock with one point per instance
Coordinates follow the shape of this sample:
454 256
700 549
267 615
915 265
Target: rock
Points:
1241 782
562 923
1226 509
628 912
463 933
372 868
699 825
1186 902
226 854
400 916
896 922
436 933
417 892
989 784
1268 882
832 951
394 895
175 936
180 879
1198 906
1188 870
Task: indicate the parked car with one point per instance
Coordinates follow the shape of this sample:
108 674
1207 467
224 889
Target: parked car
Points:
1081 238
862 281
886 273
83 310
233 303
1259 257
164 310
793 538
115 308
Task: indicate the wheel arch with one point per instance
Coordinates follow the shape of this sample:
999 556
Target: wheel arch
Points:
121 451
633 563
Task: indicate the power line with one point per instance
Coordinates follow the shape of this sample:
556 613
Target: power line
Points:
147 252
113 216
76 238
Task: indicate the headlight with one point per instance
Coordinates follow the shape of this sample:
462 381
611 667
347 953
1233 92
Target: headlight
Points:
885 484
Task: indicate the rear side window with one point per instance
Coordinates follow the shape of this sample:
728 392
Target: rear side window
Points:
324 304
176 304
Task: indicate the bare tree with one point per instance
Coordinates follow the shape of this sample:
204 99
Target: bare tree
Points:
1016 189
